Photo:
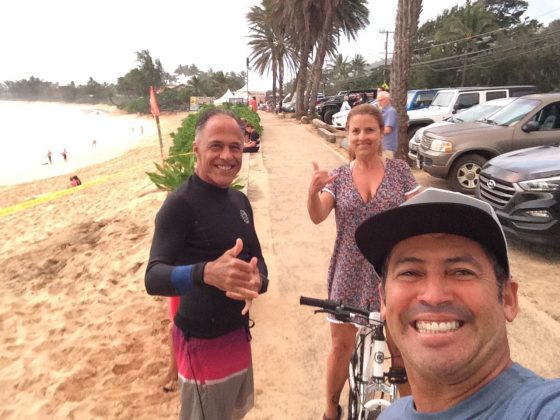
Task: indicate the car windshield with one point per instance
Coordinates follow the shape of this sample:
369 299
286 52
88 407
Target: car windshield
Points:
513 112
409 97
478 112
443 99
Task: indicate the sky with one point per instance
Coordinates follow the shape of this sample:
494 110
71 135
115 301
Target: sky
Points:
68 40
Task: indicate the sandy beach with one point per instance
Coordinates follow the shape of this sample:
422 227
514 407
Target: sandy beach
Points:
80 338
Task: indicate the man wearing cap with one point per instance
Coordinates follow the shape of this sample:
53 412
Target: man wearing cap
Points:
446 295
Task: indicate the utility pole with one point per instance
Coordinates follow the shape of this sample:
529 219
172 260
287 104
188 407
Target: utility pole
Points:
386 48
247 81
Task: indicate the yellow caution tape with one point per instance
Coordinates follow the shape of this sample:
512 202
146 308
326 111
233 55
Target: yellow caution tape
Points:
61 193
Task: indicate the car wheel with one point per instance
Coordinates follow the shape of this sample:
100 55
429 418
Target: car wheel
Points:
465 172
328 116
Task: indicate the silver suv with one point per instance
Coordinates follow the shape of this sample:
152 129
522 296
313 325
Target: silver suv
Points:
458 152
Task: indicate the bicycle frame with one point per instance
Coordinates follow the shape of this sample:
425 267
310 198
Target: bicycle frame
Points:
366 377
369 389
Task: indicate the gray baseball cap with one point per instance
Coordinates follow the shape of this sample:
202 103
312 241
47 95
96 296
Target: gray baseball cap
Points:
432 211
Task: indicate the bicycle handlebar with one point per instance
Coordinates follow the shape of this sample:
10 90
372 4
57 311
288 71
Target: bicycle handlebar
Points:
331 305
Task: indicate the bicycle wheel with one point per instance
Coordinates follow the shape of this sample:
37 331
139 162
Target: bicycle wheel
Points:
355 384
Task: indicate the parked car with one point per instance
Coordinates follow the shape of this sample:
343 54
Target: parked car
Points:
458 152
474 113
524 188
330 107
449 101
339 119
289 105
416 99
420 98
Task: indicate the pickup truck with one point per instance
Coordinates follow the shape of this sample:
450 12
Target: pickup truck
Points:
457 152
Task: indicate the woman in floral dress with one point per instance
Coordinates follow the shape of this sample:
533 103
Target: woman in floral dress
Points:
368 185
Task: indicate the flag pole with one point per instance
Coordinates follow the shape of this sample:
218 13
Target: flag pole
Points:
160 140
155 112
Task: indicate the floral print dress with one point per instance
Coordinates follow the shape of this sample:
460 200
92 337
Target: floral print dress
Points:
351 278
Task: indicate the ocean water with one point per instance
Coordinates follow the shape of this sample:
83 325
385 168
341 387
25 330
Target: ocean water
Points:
28 130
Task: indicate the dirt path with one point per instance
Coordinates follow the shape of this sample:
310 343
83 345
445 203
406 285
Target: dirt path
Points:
290 343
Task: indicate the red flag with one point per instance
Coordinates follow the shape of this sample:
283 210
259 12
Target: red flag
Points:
153 102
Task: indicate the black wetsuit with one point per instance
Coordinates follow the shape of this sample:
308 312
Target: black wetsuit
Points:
196 224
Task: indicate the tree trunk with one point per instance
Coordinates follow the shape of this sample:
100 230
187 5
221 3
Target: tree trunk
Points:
302 76
408 13
281 81
274 77
320 57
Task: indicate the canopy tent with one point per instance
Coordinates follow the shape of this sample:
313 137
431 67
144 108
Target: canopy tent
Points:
224 98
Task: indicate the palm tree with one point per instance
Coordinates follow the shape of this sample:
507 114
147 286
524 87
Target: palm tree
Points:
346 16
358 65
197 85
270 45
340 68
341 16
220 83
472 21
408 13
304 18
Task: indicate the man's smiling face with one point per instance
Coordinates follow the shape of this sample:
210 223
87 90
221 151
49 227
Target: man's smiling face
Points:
219 151
442 306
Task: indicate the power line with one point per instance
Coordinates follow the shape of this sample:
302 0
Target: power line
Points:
536 38
483 34
494 60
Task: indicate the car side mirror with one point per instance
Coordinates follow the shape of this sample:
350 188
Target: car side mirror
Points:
531 126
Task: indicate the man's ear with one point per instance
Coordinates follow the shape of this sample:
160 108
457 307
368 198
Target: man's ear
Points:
381 292
509 299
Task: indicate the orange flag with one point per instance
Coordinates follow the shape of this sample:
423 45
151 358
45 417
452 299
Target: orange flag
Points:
153 102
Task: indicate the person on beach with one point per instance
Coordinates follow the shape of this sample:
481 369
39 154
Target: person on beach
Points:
49 157
446 296
64 154
368 185
94 143
205 249
75 181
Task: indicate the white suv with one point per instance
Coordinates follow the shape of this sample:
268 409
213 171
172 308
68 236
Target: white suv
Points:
449 101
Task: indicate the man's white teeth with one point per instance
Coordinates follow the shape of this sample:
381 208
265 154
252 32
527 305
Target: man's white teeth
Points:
225 168
436 327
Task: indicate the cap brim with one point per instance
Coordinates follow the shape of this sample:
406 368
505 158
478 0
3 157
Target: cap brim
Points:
377 236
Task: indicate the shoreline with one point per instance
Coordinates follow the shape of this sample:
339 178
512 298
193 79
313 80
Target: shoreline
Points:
92 133
145 151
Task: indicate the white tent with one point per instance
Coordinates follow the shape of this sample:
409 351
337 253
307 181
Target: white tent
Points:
242 92
225 97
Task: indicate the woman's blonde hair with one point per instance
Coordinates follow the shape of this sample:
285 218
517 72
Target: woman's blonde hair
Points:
365 109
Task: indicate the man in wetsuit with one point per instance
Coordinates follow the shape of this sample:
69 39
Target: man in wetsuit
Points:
205 249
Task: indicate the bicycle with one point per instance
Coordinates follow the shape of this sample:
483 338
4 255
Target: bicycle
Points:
371 389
